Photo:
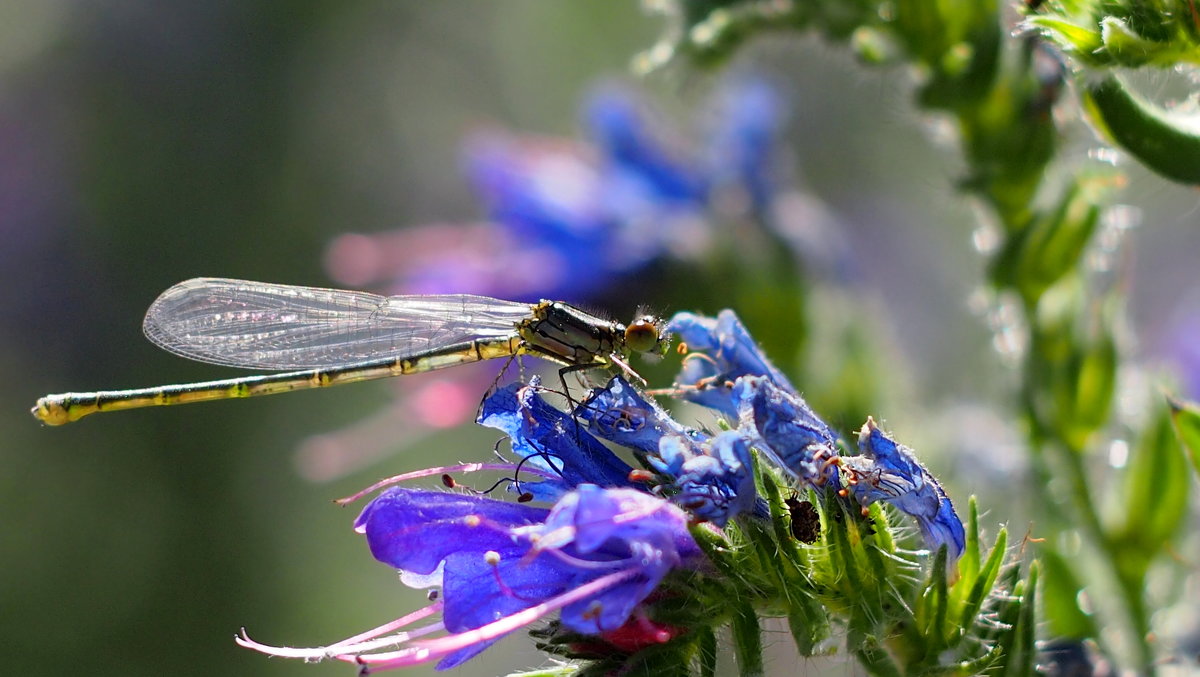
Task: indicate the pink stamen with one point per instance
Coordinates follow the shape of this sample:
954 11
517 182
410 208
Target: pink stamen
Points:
424 651
357 643
392 626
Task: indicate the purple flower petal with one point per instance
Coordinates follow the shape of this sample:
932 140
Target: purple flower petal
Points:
415 530
500 559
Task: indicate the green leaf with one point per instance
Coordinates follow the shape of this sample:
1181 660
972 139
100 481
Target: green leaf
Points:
968 564
1049 247
1023 654
983 584
1156 495
935 603
1007 618
1166 142
1095 382
1082 41
1127 47
873 657
980 666
807 628
1185 416
1060 598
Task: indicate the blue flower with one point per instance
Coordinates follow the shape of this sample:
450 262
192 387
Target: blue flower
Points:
594 557
549 439
589 220
780 424
619 413
714 480
711 477
890 472
727 371
720 351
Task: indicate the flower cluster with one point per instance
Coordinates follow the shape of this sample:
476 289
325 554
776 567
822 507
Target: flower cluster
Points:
614 533
725 370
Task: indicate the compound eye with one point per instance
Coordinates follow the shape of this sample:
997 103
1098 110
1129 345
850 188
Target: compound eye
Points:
641 336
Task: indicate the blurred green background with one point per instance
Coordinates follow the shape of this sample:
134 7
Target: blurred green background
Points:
142 144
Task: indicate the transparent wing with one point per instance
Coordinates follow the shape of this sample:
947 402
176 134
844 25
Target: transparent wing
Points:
258 325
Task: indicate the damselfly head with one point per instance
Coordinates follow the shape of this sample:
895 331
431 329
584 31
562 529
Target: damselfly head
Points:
646 334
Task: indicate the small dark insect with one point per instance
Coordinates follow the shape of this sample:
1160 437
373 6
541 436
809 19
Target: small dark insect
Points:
805 522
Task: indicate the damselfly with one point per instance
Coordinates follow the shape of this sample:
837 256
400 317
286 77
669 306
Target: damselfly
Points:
329 337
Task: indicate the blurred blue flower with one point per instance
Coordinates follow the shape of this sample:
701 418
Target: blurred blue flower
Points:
636 156
594 557
566 220
712 477
1068 658
549 202
890 472
745 139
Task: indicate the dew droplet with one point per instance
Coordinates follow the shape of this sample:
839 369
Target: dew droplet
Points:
1009 333
1115 224
986 238
1109 156
1118 453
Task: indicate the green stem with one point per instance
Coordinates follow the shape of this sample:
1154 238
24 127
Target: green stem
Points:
1070 460
747 641
706 645
1131 591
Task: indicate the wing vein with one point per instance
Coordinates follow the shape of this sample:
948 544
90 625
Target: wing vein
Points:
259 325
